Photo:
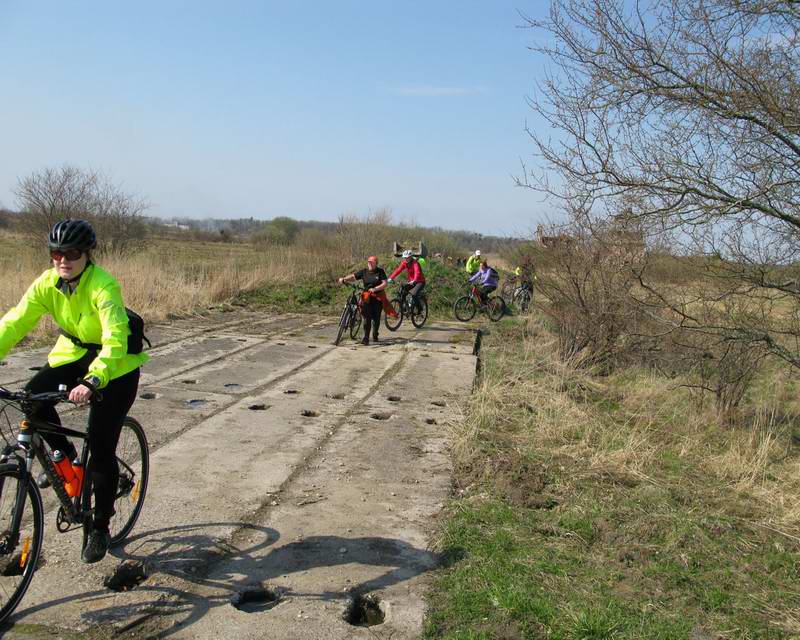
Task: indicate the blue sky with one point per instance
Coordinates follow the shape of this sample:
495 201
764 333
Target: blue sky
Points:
238 109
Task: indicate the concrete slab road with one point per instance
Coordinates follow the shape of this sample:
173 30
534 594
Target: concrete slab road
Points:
292 490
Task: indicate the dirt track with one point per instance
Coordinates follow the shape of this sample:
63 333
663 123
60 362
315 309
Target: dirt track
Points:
317 507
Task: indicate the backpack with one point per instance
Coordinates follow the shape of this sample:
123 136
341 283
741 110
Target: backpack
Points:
136 339
493 273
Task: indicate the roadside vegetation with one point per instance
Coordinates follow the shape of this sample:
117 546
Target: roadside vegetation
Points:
592 505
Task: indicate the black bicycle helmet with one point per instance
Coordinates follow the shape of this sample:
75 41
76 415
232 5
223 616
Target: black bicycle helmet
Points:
72 234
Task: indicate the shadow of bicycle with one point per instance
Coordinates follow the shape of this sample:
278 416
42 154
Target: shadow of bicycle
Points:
191 571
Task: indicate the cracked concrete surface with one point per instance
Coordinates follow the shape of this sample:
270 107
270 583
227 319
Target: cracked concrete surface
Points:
317 494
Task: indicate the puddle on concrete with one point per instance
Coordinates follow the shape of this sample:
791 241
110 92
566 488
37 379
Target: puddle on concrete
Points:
364 611
189 381
292 392
394 398
126 576
380 416
308 413
232 385
259 407
196 402
437 403
148 395
256 599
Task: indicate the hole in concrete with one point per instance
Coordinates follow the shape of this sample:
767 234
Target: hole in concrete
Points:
437 403
255 599
292 392
189 381
456 358
335 396
232 385
394 398
424 355
364 611
430 421
312 346
380 416
281 344
242 339
34 368
259 407
196 402
452 346
148 395
128 575
308 413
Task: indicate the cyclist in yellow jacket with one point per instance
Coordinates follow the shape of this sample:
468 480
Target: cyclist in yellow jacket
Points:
474 262
91 354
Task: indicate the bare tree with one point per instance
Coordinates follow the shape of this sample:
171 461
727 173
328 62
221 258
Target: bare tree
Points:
685 114
52 194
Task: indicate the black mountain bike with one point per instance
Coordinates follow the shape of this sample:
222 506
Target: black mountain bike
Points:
404 308
351 315
21 510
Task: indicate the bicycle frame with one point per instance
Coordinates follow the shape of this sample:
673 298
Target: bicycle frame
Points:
30 443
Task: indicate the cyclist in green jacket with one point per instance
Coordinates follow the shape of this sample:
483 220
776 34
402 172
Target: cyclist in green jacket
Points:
86 303
474 262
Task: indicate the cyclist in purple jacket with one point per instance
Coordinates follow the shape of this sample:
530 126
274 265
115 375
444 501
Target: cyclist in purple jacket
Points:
486 278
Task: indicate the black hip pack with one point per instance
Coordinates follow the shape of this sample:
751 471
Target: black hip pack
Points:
136 339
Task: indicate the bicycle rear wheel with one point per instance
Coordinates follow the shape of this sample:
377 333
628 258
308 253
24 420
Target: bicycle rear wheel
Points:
393 324
495 308
419 312
133 460
18 561
465 308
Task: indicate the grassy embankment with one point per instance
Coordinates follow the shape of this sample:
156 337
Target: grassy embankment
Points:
173 277
615 507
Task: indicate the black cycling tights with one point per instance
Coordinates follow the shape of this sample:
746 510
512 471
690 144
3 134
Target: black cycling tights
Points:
105 423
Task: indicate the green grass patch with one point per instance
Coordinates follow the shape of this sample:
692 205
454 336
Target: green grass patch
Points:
557 536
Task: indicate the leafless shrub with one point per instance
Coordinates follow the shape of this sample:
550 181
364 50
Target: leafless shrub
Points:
587 291
53 194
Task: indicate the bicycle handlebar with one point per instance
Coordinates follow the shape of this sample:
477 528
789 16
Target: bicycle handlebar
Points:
26 396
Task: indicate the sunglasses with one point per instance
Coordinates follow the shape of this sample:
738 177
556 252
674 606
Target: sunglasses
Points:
69 254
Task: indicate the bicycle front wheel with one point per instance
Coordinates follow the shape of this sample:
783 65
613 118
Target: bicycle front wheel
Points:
496 308
419 313
355 325
522 299
344 322
133 461
393 324
465 308
18 560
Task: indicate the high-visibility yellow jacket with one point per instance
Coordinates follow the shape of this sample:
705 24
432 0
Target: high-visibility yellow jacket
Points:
473 264
94 313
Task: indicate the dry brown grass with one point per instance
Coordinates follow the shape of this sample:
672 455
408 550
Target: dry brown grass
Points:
625 424
170 278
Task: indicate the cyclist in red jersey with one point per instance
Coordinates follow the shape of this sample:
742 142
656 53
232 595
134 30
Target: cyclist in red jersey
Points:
416 279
